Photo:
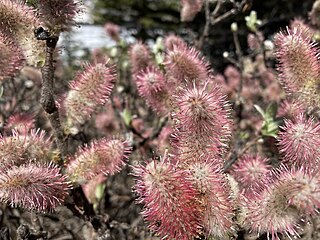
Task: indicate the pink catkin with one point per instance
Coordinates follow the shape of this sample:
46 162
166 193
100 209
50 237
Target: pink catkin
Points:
58 15
152 86
18 148
14 14
172 40
33 186
250 169
299 141
204 113
140 58
277 206
189 9
214 198
17 22
102 156
12 58
185 65
90 89
168 199
298 64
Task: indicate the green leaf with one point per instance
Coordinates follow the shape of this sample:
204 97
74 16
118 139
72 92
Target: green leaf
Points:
272 110
270 129
270 125
127 117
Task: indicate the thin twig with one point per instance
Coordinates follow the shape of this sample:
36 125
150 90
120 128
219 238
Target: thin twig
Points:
205 32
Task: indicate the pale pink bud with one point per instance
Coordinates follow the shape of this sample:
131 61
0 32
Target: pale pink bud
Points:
101 156
113 31
186 65
162 142
99 56
90 89
254 41
139 57
299 141
250 169
171 40
168 198
299 66
12 58
189 10
33 186
152 86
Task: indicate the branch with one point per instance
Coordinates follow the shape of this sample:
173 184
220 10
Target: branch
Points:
47 92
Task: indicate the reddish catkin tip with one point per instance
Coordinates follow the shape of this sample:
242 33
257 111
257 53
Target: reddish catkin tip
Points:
214 198
91 88
168 199
299 141
189 10
152 86
298 64
34 187
12 58
284 198
102 156
139 57
186 65
250 169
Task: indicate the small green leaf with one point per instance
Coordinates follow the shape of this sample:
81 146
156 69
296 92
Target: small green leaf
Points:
127 117
100 191
252 21
1 91
270 125
260 110
159 57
